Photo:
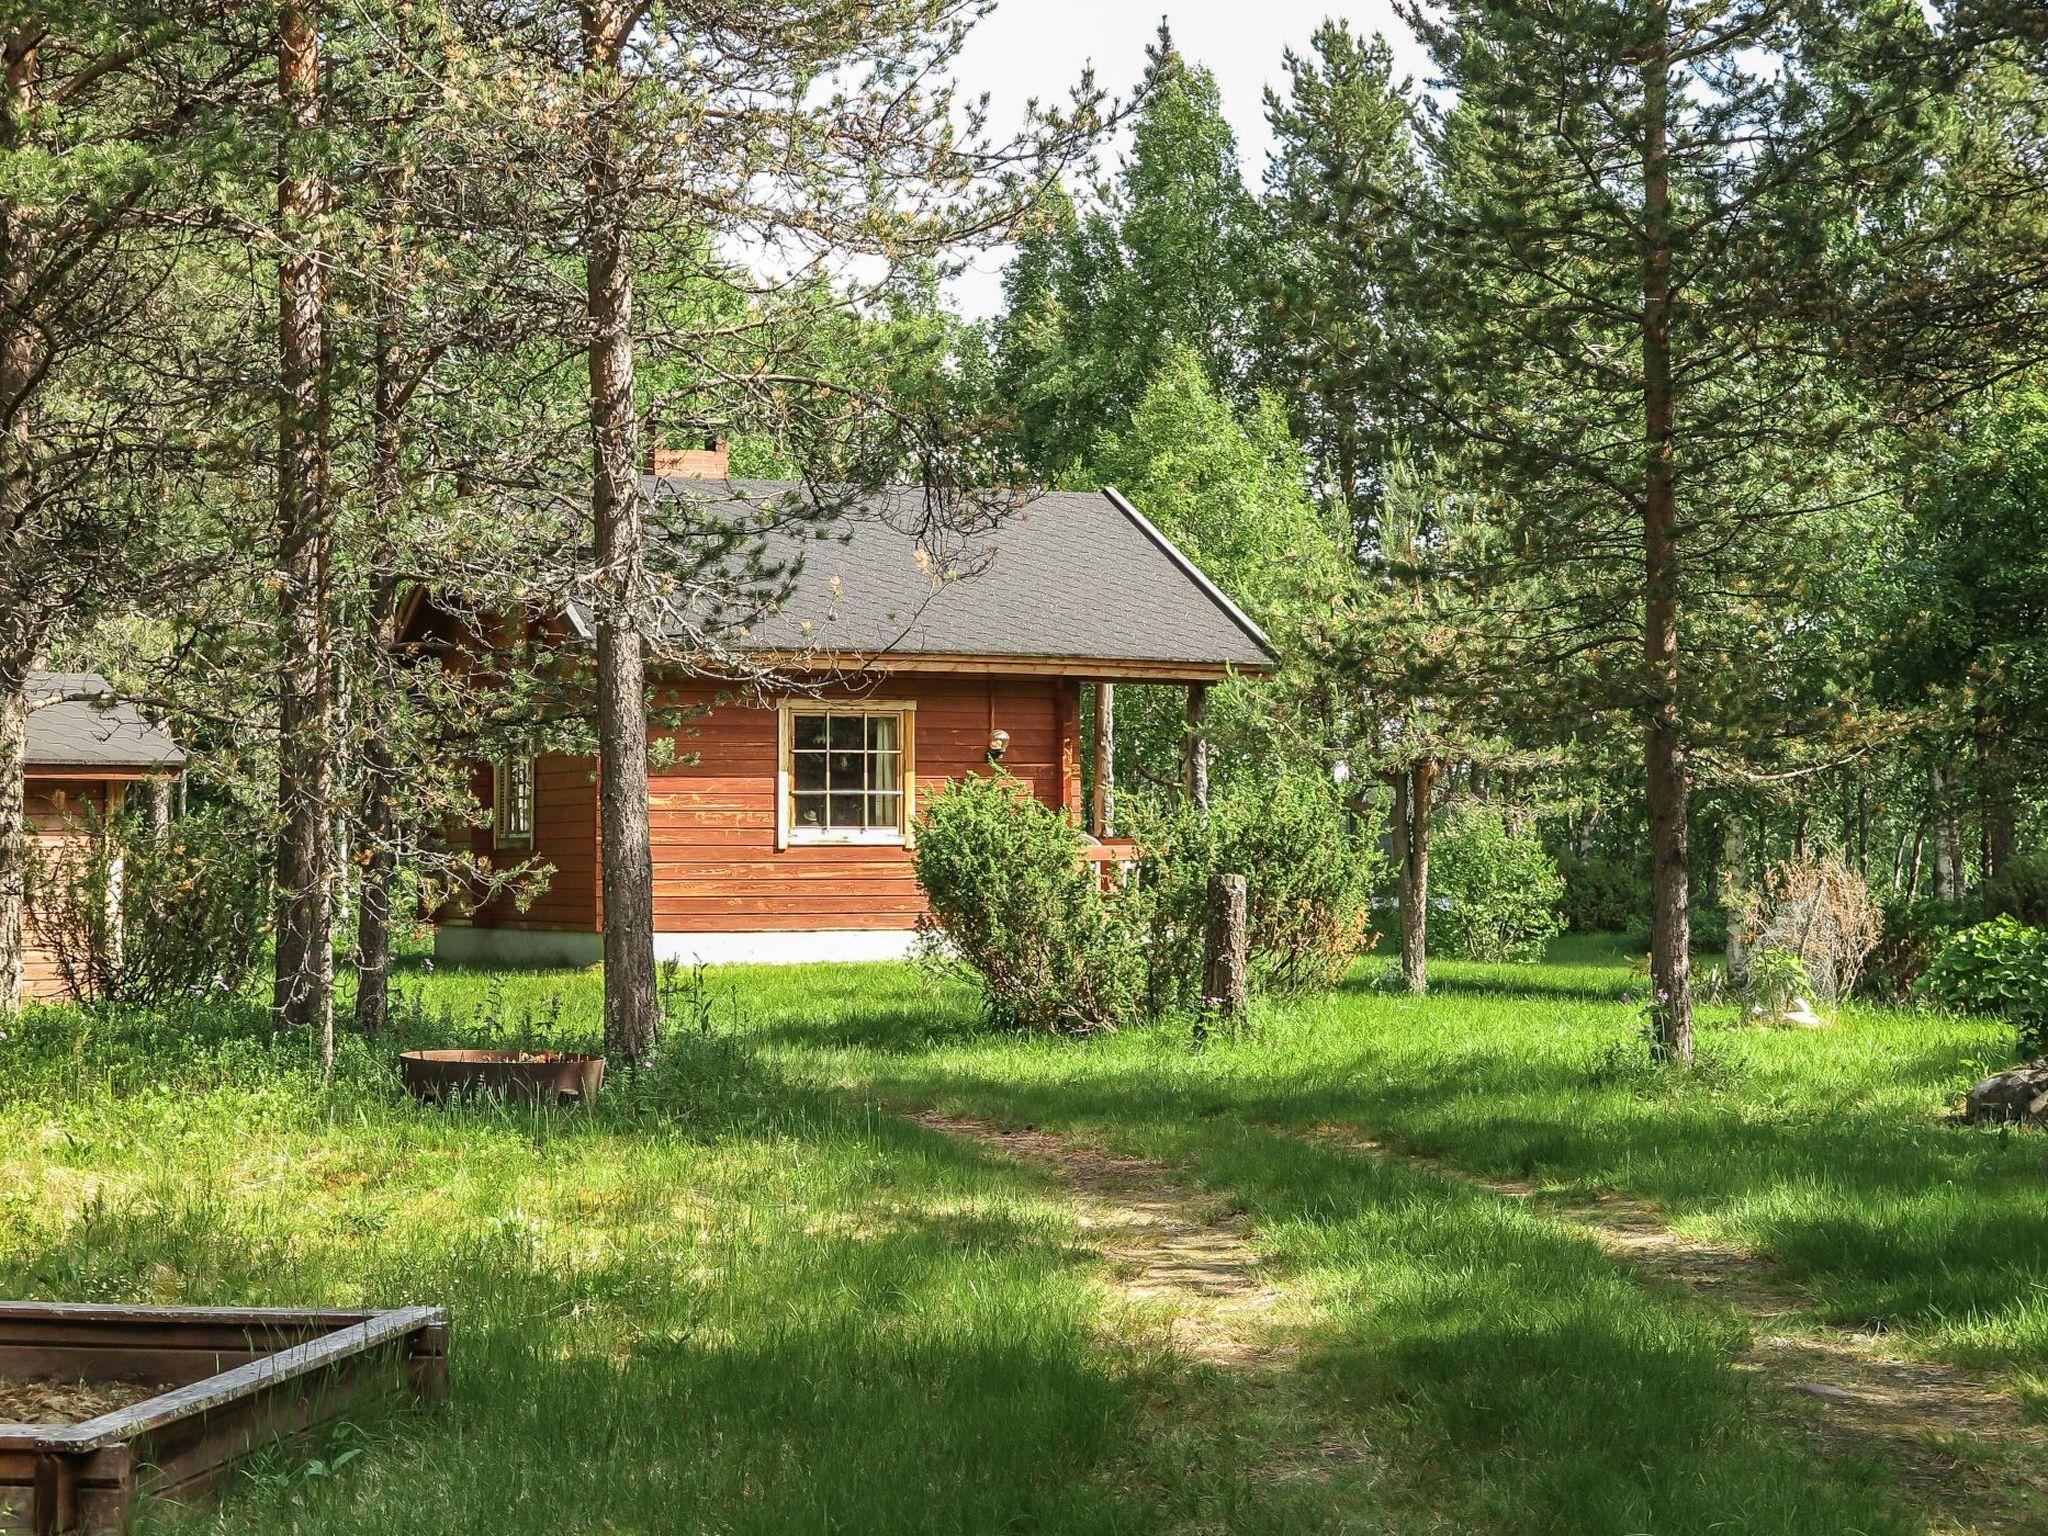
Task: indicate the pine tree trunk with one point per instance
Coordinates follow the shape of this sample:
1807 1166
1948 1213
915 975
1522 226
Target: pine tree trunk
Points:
626 856
379 831
19 635
1225 988
302 994
1667 777
380 773
1412 784
13 828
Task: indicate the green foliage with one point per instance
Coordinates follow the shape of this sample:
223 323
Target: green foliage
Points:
1603 893
1012 901
1913 931
1099 299
1342 158
1971 606
1226 486
1500 887
2020 890
136 916
1309 882
1776 979
1999 969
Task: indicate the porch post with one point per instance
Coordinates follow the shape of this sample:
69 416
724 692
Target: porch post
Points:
1105 759
1198 746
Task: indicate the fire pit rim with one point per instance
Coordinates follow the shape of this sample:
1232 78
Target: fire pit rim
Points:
453 1072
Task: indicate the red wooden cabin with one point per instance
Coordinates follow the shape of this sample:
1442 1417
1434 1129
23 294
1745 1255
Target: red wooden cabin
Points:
85 752
786 834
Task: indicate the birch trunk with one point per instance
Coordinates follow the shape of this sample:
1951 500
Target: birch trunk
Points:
1413 786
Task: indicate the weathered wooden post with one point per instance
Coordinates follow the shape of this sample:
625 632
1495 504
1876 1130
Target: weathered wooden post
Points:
1105 759
1224 991
1198 746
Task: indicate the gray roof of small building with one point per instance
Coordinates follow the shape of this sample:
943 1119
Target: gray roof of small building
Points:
74 721
1060 575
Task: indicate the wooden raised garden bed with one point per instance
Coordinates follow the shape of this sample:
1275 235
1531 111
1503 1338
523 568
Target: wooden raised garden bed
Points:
197 1388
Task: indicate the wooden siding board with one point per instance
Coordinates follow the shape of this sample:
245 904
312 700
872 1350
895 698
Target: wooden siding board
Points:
712 815
57 809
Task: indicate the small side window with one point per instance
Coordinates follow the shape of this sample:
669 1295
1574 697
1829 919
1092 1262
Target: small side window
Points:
512 816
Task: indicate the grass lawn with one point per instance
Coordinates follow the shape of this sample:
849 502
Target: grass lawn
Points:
742 1297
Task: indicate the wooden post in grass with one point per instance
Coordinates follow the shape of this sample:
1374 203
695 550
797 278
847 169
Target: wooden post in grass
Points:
1223 971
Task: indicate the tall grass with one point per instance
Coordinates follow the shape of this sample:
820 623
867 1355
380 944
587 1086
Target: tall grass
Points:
738 1296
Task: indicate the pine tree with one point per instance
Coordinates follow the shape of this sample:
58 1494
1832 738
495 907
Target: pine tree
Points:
1342 165
111 116
1634 249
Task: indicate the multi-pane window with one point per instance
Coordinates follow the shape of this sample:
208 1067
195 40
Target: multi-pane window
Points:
514 810
846 774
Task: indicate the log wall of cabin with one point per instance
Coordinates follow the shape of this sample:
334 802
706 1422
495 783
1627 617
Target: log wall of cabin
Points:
564 838
58 809
716 866
712 810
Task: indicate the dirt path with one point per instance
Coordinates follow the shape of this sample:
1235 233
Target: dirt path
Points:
1964 1445
1174 1248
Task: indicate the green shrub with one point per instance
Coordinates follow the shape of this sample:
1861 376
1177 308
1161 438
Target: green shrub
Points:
2020 890
1911 932
2000 969
1309 880
1500 888
1776 979
1012 902
1603 894
1706 930
136 915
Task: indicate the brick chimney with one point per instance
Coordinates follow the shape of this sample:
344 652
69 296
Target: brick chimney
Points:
710 460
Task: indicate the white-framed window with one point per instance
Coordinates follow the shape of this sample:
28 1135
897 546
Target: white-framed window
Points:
512 807
846 772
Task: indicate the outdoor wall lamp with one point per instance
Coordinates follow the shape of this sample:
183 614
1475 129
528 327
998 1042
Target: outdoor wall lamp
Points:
998 744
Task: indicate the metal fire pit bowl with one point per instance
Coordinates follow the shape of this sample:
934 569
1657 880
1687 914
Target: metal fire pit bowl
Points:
539 1077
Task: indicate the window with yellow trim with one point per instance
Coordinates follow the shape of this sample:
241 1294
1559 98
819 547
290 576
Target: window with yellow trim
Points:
846 775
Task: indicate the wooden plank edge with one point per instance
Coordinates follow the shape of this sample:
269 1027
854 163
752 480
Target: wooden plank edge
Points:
298 1360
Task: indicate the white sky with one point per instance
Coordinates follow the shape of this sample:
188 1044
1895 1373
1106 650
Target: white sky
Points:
1038 48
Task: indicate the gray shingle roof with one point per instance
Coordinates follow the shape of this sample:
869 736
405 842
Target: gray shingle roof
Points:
70 727
1064 575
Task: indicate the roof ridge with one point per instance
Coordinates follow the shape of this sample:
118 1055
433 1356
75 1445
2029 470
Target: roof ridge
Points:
1194 572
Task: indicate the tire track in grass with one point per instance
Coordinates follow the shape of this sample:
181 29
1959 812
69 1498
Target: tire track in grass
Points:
1173 1247
1964 1446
